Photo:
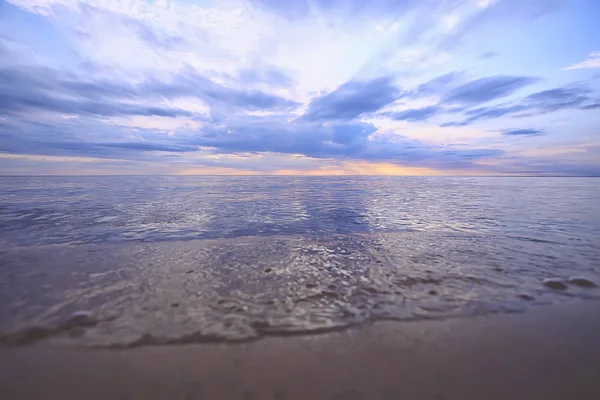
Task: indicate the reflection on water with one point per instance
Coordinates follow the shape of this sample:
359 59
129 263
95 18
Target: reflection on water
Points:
282 255
101 209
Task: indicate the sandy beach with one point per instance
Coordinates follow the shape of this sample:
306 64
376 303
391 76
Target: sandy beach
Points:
548 353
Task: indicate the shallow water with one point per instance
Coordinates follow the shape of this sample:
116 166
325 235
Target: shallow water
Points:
185 259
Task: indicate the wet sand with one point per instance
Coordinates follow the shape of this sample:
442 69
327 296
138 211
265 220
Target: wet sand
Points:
547 353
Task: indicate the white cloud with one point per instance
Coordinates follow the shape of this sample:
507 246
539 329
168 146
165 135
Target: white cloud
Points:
447 135
485 3
386 125
320 53
108 32
155 122
593 61
191 104
451 21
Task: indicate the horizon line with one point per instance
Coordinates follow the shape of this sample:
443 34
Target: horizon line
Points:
298 176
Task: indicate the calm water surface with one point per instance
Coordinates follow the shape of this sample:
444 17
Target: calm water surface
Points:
161 260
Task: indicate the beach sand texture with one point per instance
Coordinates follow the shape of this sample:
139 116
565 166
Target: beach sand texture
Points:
548 353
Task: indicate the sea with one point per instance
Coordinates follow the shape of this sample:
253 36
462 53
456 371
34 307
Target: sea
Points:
126 261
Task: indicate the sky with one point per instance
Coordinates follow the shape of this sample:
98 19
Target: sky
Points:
306 87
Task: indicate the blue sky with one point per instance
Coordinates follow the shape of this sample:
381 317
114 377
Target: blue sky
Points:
307 87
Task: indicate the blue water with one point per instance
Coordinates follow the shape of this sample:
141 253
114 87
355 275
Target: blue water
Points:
48 210
164 260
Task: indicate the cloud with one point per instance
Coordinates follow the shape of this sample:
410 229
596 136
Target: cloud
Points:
271 76
438 85
492 112
486 89
453 124
276 135
334 140
451 21
456 97
155 38
420 114
141 146
113 150
246 135
523 132
576 97
192 83
591 106
489 54
500 15
352 99
25 89
110 113
575 159
593 61
561 98
246 84
300 9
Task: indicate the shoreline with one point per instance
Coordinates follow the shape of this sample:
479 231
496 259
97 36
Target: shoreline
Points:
546 353
245 288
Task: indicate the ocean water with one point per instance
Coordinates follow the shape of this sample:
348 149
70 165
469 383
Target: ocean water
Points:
166 260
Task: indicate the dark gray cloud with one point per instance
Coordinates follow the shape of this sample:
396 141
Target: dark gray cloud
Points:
191 83
29 88
110 150
276 135
570 97
341 141
146 146
20 103
355 98
486 89
85 137
459 97
438 85
337 140
591 106
559 98
472 154
523 132
453 124
352 99
456 94
475 114
420 114
468 99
